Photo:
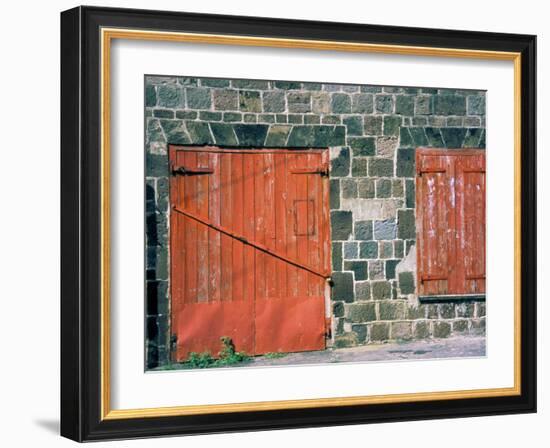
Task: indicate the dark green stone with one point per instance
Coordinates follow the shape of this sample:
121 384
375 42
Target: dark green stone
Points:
340 165
334 194
406 227
266 118
362 290
481 143
288 85
342 286
295 118
157 165
250 84
312 86
405 137
421 329
336 256
251 134
326 136
213 82
362 103
406 282
359 167
341 224
399 249
302 136
418 136
198 98
410 190
368 249
365 188
392 310
360 331
363 230
186 114
331 119
383 188
384 104
349 188
362 312
404 105
405 162
199 132
354 125
449 105
231 117
476 104
250 101
362 146
250 118
223 134
175 132
373 125
390 268
391 125
442 329
184 81
379 331
424 105
453 137
341 103
338 309
150 96
381 290
154 131
277 135
472 138
381 167
360 268
434 137
170 96
210 116
447 310
312 119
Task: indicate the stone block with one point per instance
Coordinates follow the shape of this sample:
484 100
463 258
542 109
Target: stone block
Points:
250 101
384 104
404 105
392 310
320 103
390 268
372 125
232 117
368 249
336 256
406 224
406 283
170 96
365 188
299 102
383 188
341 224
340 165
198 98
354 125
392 124
150 96
362 103
453 137
226 99
223 134
359 167
476 104
362 290
341 103
351 250
360 331
342 287
376 270
345 340
460 326
379 331
338 309
175 132
334 193
449 105
381 290
386 146
424 105
213 82
252 135
381 167
277 135
362 146
441 329
360 269
362 312
421 329
447 310
385 230
401 331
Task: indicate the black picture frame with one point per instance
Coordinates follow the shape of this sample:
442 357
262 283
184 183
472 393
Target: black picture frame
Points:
81 224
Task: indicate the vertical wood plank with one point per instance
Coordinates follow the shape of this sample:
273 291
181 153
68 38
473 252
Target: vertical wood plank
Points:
313 205
214 237
202 185
237 226
302 240
281 173
259 209
291 242
226 220
269 213
190 204
249 226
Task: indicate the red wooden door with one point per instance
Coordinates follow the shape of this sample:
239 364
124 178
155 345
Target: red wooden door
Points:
450 201
249 249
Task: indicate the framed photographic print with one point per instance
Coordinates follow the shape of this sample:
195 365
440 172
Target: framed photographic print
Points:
272 223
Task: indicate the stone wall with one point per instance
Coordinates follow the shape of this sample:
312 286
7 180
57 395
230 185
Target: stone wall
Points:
372 133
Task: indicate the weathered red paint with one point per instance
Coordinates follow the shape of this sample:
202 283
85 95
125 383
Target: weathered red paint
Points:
450 207
250 249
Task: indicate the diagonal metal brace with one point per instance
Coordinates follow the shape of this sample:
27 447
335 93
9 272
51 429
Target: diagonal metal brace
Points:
260 247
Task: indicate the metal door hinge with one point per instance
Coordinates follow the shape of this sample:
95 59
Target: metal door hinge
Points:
183 171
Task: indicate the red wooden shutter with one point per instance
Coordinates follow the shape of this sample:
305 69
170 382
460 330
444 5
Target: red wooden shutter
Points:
450 221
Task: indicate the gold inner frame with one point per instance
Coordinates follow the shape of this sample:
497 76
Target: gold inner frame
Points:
107 35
